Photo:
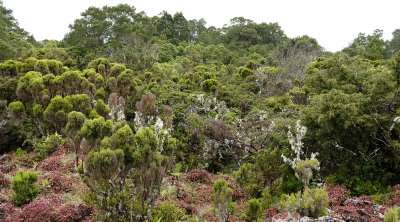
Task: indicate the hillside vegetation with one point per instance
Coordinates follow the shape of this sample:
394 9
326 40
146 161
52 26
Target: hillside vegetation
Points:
137 118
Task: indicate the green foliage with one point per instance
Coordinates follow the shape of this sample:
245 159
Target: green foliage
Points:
24 185
168 212
209 85
102 65
41 66
80 169
38 110
304 169
266 169
101 108
141 158
245 72
57 112
311 202
392 215
345 131
47 145
16 109
290 183
93 130
222 199
29 86
252 210
105 164
266 198
20 153
372 47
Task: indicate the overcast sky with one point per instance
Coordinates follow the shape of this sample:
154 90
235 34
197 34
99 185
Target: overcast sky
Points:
333 23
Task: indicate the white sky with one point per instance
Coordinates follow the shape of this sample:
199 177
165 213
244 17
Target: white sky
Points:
333 23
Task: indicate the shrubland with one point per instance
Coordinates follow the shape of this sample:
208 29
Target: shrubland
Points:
162 118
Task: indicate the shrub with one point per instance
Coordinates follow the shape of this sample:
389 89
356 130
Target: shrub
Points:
266 170
168 212
40 210
80 169
22 158
25 187
310 202
72 212
59 183
252 210
16 109
392 215
303 167
337 194
199 176
4 181
358 209
222 199
47 146
266 199
396 195
57 163
290 183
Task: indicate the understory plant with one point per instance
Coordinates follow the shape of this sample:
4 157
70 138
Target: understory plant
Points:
222 199
24 185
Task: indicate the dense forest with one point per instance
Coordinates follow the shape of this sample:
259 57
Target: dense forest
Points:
138 118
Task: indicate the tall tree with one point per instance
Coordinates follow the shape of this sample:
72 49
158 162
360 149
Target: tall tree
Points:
395 42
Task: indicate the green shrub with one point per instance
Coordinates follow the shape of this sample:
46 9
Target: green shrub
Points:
16 110
209 85
20 153
266 170
42 66
392 215
25 187
310 202
244 72
290 183
168 212
222 199
23 158
79 169
175 78
253 210
266 199
47 146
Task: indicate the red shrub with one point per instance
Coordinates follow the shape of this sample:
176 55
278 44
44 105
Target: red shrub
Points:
72 212
63 150
40 210
199 176
50 164
6 158
358 209
337 194
210 217
395 201
204 192
270 213
6 168
188 204
25 161
56 163
59 183
4 181
7 211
